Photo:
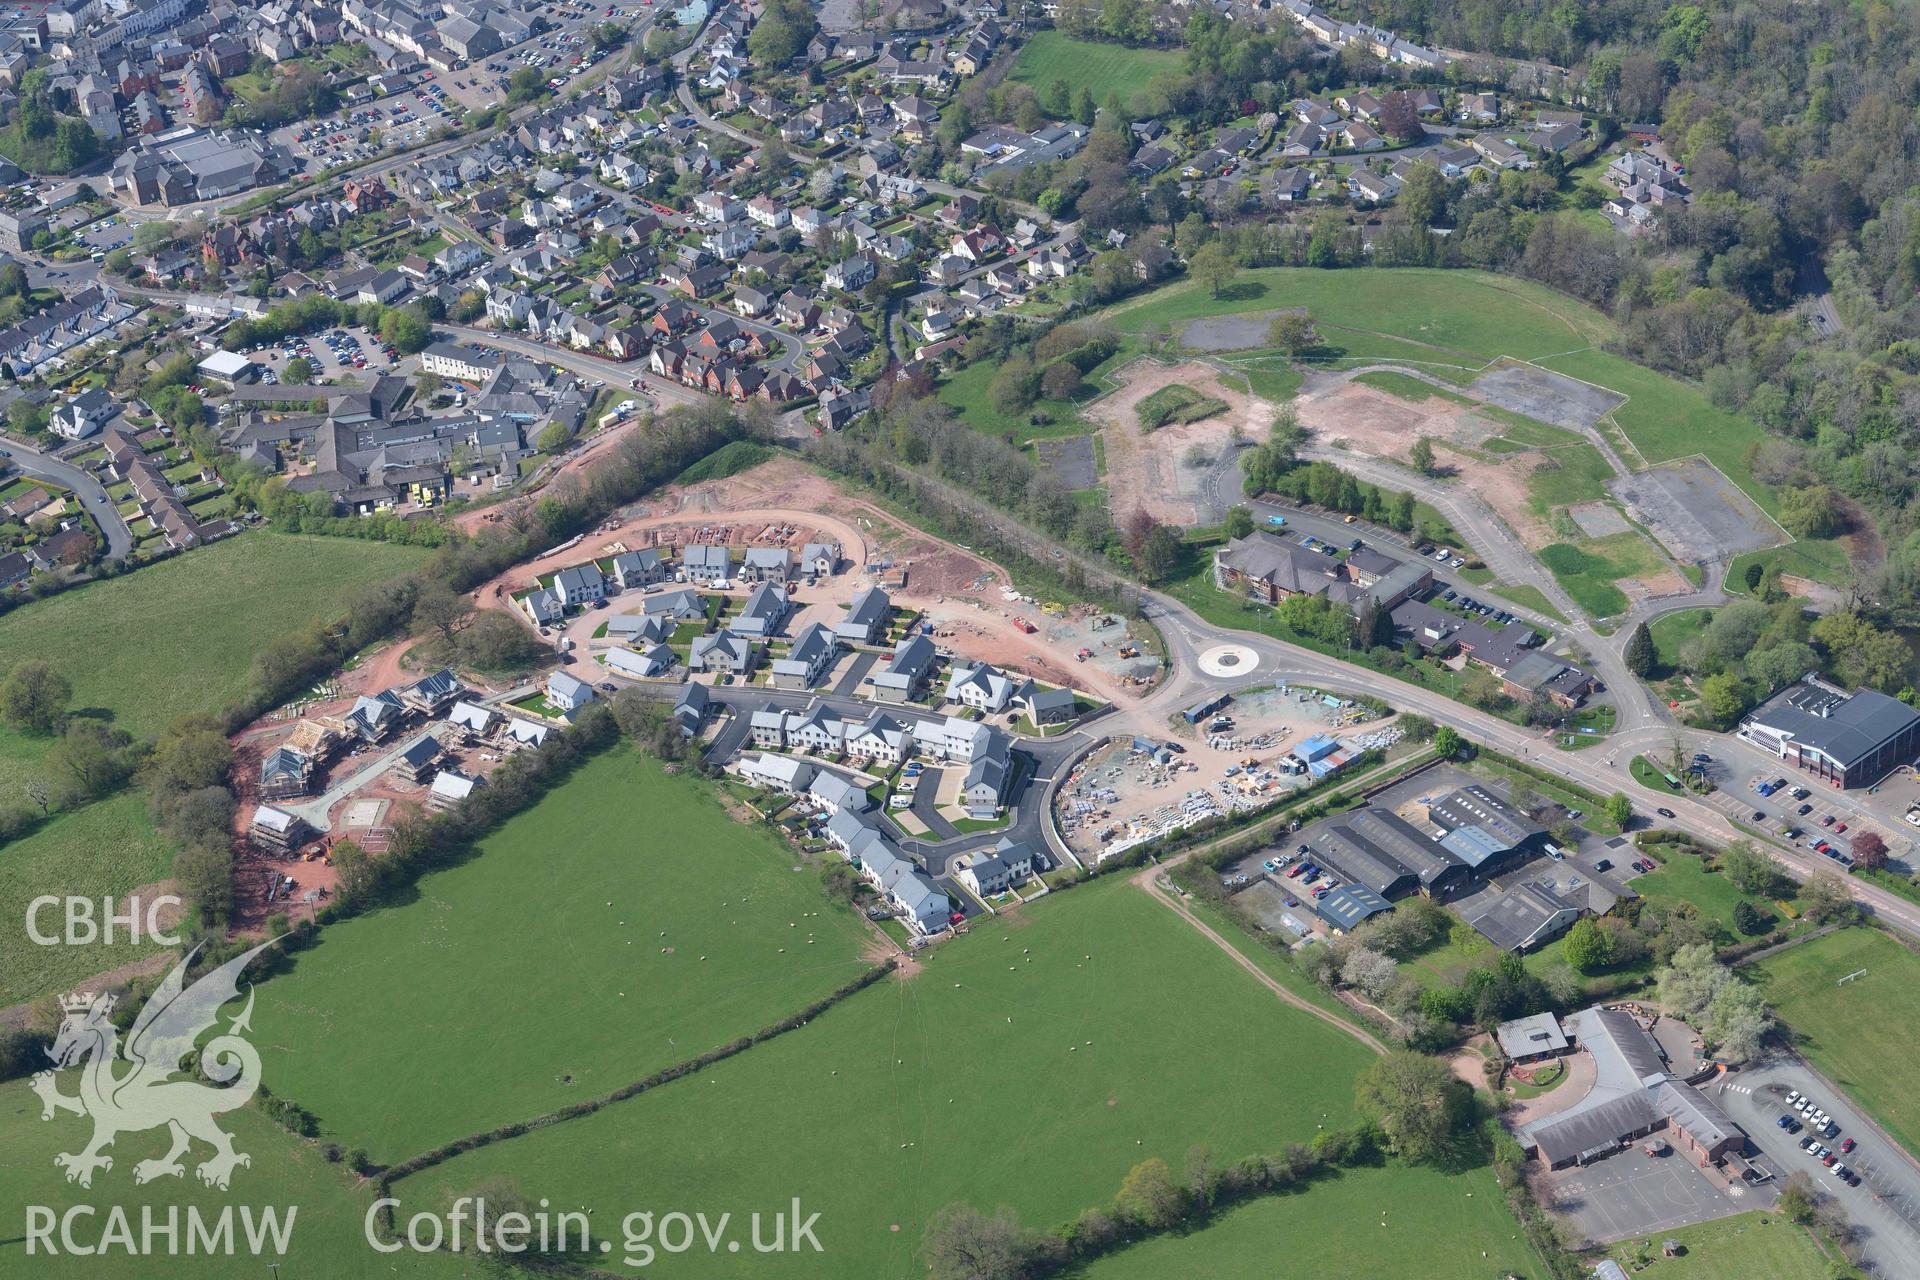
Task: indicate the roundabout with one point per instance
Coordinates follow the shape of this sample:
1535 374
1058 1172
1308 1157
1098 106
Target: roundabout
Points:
1229 660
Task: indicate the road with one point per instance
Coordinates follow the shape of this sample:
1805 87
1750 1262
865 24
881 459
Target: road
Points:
92 494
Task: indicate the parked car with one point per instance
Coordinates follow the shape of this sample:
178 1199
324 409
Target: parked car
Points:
1847 1146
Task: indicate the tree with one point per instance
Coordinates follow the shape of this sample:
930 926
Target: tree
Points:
1752 575
33 698
553 437
1812 511
1151 1196
1588 948
1214 264
27 418
1421 456
1723 698
439 608
1797 1197
1423 197
189 757
1826 900
1691 980
1869 850
1752 872
92 754
1239 522
1640 655
1737 1021
1747 918
964 1244
1292 332
526 84
1447 742
299 370
1398 118
1864 653
1159 554
1368 970
406 328
1061 380
1416 1100
355 869
1619 810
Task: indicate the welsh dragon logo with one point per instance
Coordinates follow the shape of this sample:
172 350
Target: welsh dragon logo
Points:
145 1095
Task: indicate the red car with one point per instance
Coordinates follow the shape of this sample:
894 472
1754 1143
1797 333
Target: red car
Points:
1847 1146
1839 827
958 917
1828 1160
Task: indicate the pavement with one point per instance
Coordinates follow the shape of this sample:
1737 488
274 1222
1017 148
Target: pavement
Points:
1885 1207
1633 1194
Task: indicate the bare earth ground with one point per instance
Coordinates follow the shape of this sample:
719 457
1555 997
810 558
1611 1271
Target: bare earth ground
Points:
1381 425
1147 471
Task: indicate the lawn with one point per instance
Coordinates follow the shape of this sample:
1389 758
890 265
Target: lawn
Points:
1176 403
1119 1028
1098 67
1685 878
109 847
1860 1034
622 924
1529 597
1457 319
1588 569
1743 1247
286 1174
1435 1225
1672 631
1407 387
1567 476
966 392
179 637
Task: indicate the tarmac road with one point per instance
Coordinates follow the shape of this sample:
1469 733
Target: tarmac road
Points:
92 494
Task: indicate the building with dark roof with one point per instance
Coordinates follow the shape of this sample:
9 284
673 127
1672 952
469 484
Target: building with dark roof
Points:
1847 740
1385 854
1633 1095
1270 569
1349 905
1525 916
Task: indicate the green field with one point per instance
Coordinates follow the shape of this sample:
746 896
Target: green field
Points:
1529 598
1685 878
1567 476
1672 631
1451 323
1749 1246
1407 387
1861 1034
1588 569
1098 67
109 847
1031 1063
179 637
514 965
329 1201
966 392
1436 1225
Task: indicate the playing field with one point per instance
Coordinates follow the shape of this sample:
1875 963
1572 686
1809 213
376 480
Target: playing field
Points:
180 636
106 848
1746 1247
624 923
329 1203
1098 67
1454 321
1029 1064
1860 1034
1434 1225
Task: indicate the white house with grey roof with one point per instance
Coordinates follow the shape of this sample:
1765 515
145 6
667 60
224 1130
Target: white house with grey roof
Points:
651 663
780 773
881 739
567 693
1005 866
836 791
818 560
544 606
807 660
900 678
866 617
721 651
473 717
705 563
580 585
820 730
979 685
640 629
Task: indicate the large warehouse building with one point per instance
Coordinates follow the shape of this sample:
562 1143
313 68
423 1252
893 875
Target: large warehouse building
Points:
1845 739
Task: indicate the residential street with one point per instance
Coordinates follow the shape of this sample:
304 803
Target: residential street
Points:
41 466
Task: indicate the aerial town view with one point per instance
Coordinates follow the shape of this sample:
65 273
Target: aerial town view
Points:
959 639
